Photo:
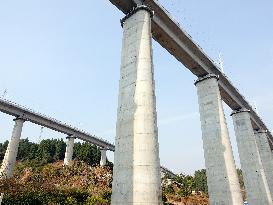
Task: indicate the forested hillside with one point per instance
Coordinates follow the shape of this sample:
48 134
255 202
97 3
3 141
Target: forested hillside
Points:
54 184
52 150
40 178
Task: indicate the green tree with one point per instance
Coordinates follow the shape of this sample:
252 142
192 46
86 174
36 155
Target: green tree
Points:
52 150
200 179
185 184
60 147
3 147
27 150
87 153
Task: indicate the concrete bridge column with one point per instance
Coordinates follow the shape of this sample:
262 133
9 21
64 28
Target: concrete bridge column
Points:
266 156
103 157
1 197
223 183
9 161
69 150
136 174
257 189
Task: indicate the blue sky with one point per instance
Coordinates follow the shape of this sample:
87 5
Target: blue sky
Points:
62 59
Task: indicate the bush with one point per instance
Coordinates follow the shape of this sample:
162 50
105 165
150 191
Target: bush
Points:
54 184
96 201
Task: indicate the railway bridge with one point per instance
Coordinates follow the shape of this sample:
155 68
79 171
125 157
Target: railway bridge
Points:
136 174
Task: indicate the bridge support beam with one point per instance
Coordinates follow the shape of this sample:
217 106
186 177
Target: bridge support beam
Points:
103 157
266 156
223 183
136 174
69 150
257 189
9 161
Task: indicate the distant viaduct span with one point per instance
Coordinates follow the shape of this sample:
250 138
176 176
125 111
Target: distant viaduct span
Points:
136 173
18 111
26 114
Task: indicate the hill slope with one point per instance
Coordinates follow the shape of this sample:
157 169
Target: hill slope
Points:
80 183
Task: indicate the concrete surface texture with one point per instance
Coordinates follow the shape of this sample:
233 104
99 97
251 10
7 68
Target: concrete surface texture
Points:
136 174
103 157
266 157
257 189
69 150
1 198
223 183
9 160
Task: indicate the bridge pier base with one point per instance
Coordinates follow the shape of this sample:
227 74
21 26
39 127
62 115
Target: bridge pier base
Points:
136 173
257 189
223 182
266 157
9 160
1 197
69 150
103 157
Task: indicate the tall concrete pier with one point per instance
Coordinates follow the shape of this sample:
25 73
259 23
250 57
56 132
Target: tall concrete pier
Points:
266 156
223 183
257 189
136 174
9 161
69 150
103 156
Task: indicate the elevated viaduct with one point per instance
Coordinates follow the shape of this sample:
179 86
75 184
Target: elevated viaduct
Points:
136 174
136 124
168 33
